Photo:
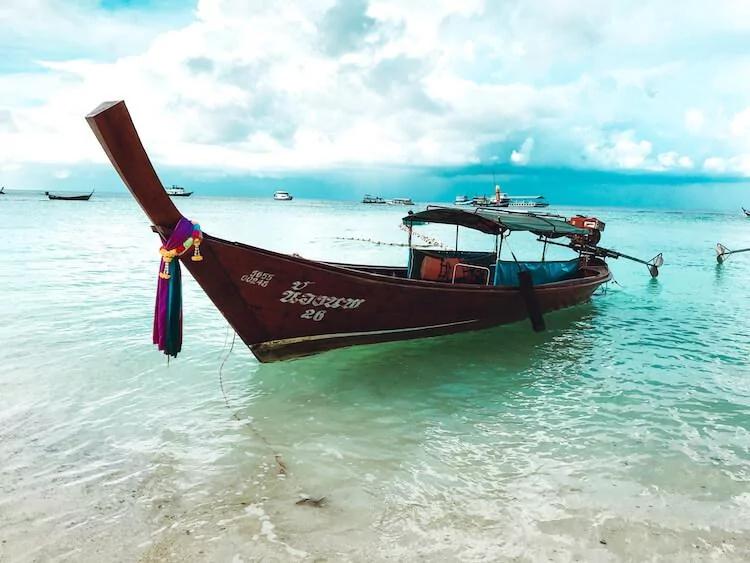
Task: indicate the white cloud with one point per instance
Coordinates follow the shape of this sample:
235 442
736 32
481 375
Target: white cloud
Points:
321 83
62 174
740 124
521 157
715 164
685 162
621 150
694 121
671 160
34 29
738 164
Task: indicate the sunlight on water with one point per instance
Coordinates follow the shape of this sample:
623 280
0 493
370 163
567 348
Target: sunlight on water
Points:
620 433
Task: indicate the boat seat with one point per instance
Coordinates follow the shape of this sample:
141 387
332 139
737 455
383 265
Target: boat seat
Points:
453 270
467 267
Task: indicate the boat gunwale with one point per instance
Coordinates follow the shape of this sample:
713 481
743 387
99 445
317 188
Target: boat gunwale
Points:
598 275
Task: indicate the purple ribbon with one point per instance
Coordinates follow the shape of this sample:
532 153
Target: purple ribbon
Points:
168 308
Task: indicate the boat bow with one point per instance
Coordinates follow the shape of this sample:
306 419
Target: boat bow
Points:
114 128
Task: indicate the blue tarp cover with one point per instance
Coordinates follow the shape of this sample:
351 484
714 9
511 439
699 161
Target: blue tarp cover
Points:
506 272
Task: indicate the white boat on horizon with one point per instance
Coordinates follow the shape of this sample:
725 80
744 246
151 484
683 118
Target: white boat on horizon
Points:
177 191
528 201
400 201
501 199
373 199
281 195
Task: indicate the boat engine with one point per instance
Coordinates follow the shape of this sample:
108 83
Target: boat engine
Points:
594 227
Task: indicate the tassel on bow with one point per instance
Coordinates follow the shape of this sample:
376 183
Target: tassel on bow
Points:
168 308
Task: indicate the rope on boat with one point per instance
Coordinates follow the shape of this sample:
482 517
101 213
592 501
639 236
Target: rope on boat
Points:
372 241
429 240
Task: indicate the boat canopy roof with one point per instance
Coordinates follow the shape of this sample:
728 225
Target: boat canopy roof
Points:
495 221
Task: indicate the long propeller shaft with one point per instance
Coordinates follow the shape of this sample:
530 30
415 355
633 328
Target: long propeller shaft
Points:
653 265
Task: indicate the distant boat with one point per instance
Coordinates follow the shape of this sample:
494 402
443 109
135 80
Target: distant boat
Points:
81 197
528 201
505 200
373 199
484 201
476 200
500 200
281 195
178 191
400 201
746 212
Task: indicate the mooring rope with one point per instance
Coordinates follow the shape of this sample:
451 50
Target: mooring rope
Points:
221 368
372 241
274 451
429 241
282 468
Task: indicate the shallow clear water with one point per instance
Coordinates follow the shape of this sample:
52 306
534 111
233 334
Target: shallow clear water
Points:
619 434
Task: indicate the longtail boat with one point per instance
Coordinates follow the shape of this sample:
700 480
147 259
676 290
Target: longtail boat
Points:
285 306
81 197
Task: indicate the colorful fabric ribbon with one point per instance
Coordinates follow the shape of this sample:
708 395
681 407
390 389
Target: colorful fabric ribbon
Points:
168 309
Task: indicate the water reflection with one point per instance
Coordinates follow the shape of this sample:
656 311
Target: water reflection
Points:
653 286
495 361
718 272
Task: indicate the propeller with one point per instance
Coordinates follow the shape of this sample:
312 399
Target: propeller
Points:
722 252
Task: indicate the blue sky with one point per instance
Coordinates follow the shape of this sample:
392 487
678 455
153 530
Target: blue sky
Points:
606 102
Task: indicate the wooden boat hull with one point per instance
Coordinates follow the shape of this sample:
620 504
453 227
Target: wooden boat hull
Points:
84 197
284 306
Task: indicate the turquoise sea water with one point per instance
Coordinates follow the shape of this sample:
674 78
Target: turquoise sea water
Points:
619 434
